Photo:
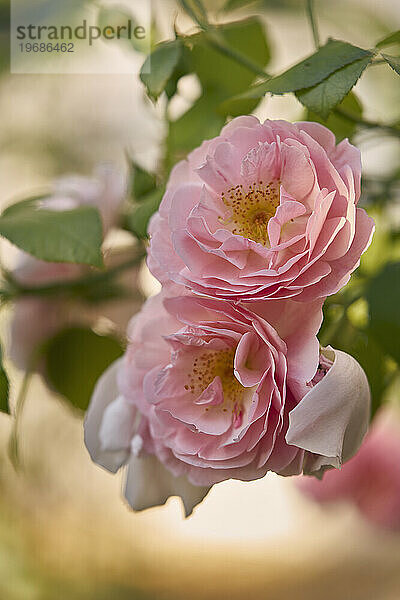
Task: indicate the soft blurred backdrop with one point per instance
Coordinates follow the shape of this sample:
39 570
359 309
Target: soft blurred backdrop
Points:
65 533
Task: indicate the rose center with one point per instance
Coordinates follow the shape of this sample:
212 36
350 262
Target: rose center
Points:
251 209
209 365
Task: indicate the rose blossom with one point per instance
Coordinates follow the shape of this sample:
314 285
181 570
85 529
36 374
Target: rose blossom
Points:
371 479
214 391
36 318
264 210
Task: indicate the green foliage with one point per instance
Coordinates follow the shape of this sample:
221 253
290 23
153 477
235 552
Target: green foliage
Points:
200 122
195 9
389 40
4 387
146 198
58 236
323 97
182 68
74 360
227 77
234 4
217 71
143 182
383 297
159 67
312 70
393 61
341 127
342 333
138 219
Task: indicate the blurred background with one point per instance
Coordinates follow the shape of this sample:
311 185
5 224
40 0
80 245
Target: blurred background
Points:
65 533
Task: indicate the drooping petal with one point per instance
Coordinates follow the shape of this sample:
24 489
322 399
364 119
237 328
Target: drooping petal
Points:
105 392
332 419
149 483
117 426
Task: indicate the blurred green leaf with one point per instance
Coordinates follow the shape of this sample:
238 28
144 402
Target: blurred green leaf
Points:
226 77
383 297
183 68
4 387
362 346
143 182
389 40
58 236
138 219
28 203
312 70
217 71
195 9
199 123
341 127
339 332
159 67
393 61
323 97
74 360
234 4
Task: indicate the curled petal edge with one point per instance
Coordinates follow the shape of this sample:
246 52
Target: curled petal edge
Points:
331 420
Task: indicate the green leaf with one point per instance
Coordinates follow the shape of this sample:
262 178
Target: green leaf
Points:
57 236
195 10
200 122
159 67
312 70
393 61
4 387
137 221
183 68
383 297
28 203
143 182
323 97
74 360
234 4
341 127
360 344
217 71
389 40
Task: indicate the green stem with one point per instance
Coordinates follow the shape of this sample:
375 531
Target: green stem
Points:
215 41
13 444
313 23
74 285
201 21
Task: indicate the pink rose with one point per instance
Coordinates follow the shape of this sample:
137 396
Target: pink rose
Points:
216 391
371 479
262 211
36 318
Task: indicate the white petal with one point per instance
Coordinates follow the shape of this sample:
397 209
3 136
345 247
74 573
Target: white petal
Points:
117 425
332 419
104 393
149 483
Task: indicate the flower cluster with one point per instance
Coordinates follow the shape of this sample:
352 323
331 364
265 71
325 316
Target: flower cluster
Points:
223 376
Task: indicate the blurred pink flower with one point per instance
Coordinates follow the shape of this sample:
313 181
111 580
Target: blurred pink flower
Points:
36 319
371 479
216 391
262 211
